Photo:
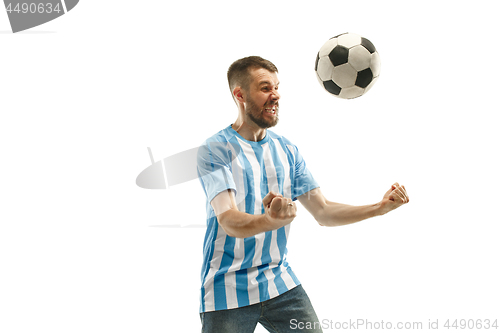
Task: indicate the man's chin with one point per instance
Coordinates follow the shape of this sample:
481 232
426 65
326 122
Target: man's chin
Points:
273 124
263 123
268 124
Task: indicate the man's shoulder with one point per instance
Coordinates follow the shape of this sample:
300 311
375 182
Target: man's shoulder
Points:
220 146
281 138
224 135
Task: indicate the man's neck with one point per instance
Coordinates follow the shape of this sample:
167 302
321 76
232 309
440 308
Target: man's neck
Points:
250 132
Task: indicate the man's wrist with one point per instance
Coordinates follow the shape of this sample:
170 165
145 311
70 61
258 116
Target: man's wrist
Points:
381 209
266 223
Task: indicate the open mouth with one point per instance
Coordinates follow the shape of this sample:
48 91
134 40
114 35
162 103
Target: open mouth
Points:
271 109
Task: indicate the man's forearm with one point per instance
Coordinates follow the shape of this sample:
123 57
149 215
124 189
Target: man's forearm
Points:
241 225
336 214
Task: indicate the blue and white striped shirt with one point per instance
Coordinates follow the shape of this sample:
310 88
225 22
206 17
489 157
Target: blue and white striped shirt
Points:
237 272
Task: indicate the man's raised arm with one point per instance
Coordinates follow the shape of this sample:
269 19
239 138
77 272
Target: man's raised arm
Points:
332 214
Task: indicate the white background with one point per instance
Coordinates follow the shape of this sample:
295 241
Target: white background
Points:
83 249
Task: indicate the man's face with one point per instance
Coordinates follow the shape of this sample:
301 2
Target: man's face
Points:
262 97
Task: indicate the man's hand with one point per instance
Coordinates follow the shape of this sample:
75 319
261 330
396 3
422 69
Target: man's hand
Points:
394 198
279 211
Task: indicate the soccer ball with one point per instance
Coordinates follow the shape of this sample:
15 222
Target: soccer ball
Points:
347 65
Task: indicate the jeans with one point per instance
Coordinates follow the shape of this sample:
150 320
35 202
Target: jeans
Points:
292 311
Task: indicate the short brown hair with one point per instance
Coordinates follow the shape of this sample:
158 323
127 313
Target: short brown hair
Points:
238 73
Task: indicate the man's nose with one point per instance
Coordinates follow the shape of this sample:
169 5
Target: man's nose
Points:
275 95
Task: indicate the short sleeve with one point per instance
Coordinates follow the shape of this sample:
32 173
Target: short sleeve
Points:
303 181
214 168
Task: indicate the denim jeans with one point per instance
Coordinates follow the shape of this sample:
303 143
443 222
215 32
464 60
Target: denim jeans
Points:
292 311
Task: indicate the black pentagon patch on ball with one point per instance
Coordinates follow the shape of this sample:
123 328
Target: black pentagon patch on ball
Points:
364 78
331 87
339 55
368 45
317 60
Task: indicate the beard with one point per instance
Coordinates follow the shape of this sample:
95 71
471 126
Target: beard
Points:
256 114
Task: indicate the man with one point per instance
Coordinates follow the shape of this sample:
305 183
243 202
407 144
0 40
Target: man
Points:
251 177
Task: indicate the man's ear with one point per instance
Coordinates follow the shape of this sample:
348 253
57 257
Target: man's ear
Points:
238 94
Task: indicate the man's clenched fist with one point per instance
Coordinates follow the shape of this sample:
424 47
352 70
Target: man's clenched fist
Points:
279 210
394 198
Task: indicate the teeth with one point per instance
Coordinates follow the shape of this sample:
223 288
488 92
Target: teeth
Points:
271 110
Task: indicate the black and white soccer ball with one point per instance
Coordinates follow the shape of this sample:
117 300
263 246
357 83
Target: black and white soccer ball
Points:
347 65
